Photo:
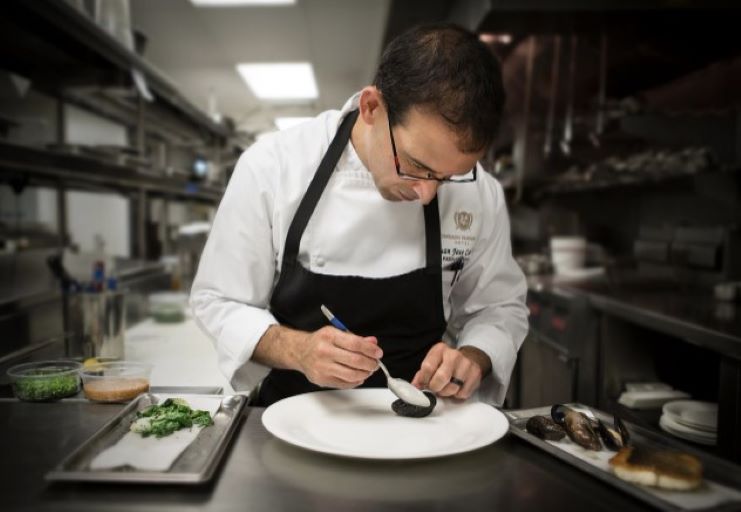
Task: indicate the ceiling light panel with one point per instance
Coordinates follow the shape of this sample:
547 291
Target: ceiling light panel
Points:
287 81
240 3
287 122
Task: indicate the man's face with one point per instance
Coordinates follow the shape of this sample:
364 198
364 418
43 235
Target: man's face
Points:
425 146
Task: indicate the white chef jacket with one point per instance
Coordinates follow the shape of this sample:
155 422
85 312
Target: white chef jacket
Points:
353 231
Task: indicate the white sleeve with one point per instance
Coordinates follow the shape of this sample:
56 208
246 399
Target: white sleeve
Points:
488 309
232 288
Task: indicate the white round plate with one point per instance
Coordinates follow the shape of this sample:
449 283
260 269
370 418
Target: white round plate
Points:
670 426
693 414
360 423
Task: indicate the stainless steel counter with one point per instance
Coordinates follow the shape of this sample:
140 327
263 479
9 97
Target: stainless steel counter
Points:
690 314
684 313
260 473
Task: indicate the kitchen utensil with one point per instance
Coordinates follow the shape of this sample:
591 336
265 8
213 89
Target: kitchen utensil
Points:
727 292
649 399
599 127
153 452
693 414
568 252
568 127
360 423
399 387
100 320
190 243
534 264
579 274
196 465
553 96
60 272
677 429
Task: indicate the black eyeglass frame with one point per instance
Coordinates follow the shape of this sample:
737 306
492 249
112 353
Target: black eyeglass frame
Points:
405 176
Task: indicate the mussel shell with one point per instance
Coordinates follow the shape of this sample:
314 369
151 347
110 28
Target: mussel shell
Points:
611 437
579 429
558 413
545 428
623 430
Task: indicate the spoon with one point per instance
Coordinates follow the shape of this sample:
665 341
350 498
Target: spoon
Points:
399 387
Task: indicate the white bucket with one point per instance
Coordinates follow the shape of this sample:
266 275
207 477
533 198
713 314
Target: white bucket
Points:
568 252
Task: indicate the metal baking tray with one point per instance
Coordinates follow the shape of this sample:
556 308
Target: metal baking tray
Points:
715 470
196 465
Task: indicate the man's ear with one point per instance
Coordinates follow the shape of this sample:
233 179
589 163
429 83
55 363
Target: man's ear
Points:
372 107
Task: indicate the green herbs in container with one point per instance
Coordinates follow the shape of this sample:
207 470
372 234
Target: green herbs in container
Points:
171 415
45 381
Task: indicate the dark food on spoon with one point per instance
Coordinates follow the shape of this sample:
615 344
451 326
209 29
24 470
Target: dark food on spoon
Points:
578 427
403 408
666 469
545 428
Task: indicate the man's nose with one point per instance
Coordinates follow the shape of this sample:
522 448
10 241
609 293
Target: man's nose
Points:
426 190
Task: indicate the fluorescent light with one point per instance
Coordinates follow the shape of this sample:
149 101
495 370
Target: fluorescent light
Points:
280 81
495 38
286 122
262 135
239 3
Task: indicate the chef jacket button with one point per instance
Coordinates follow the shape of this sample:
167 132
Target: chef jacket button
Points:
319 261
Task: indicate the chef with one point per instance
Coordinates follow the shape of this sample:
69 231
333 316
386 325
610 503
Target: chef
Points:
381 212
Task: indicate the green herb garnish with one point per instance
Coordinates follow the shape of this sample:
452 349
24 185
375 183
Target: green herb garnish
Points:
39 386
163 419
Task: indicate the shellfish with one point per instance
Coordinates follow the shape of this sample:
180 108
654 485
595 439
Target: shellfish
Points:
545 428
577 426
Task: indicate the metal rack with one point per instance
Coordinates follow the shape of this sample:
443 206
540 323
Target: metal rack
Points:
50 168
621 180
56 45
70 59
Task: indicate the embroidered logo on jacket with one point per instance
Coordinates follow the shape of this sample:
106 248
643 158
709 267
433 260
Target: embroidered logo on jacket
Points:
463 220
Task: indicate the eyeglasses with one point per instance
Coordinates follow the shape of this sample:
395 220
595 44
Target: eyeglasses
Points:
427 175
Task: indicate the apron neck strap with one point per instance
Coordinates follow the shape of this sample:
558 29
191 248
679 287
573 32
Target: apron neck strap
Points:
433 243
316 187
319 182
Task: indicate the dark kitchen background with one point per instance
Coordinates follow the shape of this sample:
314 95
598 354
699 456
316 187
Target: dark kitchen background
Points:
620 155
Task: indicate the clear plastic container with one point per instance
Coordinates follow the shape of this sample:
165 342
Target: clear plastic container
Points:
45 381
116 381
168 307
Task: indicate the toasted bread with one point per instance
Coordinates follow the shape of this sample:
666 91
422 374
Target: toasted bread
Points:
666 469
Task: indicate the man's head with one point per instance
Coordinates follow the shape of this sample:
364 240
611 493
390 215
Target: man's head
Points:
438 95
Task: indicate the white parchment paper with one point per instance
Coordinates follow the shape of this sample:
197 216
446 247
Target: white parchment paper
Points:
151 453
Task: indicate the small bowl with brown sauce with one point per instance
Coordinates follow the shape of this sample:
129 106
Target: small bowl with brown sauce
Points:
118 381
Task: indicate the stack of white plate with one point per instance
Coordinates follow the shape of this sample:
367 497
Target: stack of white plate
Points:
691 420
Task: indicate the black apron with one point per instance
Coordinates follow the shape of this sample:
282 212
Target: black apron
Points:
404 312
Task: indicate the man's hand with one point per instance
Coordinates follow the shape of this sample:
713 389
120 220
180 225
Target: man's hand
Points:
445 368
327 357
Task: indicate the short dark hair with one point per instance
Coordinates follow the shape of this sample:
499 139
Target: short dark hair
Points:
446 69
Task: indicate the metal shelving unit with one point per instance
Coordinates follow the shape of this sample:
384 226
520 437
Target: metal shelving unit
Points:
57 45
69 58
620 180
50 168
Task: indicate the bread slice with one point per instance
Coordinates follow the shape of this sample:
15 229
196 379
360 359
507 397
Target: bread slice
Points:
676 471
